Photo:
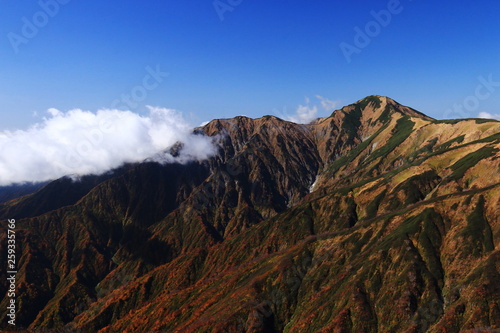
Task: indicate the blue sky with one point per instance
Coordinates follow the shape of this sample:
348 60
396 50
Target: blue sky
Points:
264 57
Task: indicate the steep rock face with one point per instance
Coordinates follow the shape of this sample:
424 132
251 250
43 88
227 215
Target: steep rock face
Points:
399 233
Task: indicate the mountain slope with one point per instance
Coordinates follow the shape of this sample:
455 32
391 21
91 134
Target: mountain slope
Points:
375 219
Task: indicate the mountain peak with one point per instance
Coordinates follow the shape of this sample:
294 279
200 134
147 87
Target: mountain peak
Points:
383 106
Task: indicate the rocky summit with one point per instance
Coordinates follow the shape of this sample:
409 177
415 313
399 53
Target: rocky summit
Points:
377 218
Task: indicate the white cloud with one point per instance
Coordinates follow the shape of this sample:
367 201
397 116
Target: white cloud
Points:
305 113
488 115
327 104
81 142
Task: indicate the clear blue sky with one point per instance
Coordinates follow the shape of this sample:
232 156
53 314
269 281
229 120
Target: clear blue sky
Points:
266 55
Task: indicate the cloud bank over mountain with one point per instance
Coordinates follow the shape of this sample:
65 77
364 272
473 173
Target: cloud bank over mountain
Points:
81 142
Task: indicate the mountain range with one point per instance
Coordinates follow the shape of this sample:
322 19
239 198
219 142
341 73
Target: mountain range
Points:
376 218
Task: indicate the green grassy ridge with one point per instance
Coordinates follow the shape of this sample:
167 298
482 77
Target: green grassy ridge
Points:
373 99
460 167
425 149
418 161
408 227
494 138
386 115
415 188
366 272
456 121
401 132
402 211
373 206
387 176
344 190
365 221
353 154
351 123
477 231
403 127
430 241
352 126
444 146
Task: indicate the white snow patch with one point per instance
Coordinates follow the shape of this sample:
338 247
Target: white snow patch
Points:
311 188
